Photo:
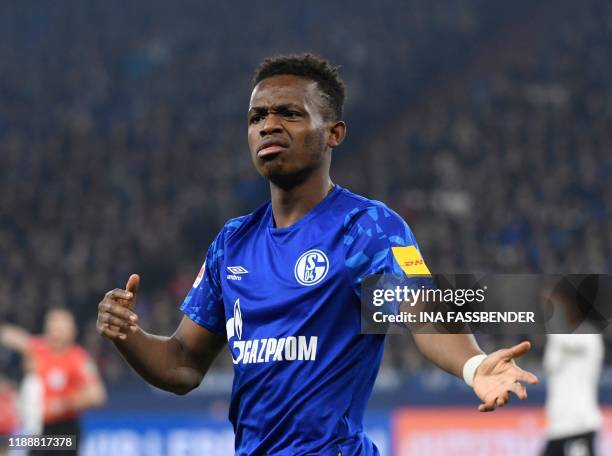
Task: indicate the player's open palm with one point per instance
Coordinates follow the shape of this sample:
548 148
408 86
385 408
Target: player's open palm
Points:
116 318
498 376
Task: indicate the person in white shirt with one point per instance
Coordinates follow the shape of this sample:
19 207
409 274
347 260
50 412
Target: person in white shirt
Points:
573 364
31 398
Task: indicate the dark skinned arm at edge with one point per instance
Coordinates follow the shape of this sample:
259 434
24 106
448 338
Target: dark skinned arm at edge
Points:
177 363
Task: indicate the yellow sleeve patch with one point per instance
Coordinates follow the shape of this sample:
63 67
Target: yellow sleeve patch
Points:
410 260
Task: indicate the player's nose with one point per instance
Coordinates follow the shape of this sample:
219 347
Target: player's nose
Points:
271 125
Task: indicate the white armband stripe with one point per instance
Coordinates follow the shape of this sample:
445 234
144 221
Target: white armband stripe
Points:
470 366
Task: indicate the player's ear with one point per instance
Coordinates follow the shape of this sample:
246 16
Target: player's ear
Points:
337 132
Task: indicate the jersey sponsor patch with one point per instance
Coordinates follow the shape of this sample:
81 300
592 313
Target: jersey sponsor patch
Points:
271 349
56 379
410 260
198 279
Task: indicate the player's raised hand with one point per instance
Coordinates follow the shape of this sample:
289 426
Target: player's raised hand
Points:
498 376
116 317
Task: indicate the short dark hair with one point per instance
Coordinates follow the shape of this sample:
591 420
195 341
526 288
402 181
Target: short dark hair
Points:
309 66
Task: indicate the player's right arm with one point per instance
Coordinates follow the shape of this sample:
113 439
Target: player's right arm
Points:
177 363
14 337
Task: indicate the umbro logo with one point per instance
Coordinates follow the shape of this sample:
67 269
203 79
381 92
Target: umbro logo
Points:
236 271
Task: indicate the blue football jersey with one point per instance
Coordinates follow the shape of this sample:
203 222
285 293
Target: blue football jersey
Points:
288 302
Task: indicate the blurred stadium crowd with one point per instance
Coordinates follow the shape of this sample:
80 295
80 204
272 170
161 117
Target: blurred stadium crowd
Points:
123 141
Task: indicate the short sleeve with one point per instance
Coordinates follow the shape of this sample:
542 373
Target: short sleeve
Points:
204 302
378 241
86 371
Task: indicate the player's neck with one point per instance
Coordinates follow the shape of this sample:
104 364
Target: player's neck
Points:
290 205
58 347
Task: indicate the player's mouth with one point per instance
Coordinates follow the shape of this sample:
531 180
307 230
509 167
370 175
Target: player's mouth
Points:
268 149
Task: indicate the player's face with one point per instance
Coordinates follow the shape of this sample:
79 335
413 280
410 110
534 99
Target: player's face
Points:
60 330
288 136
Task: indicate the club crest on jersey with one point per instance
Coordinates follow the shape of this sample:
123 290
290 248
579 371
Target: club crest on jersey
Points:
311 267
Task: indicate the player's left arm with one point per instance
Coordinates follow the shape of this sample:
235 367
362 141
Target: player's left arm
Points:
448 351
493 380
379 242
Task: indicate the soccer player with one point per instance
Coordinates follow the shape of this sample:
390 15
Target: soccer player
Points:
282 286
69 378
573 363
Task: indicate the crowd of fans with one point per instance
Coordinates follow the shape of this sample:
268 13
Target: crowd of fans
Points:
513 173
510 165
123 143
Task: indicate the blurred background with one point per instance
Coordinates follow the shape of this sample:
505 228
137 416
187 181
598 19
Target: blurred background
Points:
486 124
